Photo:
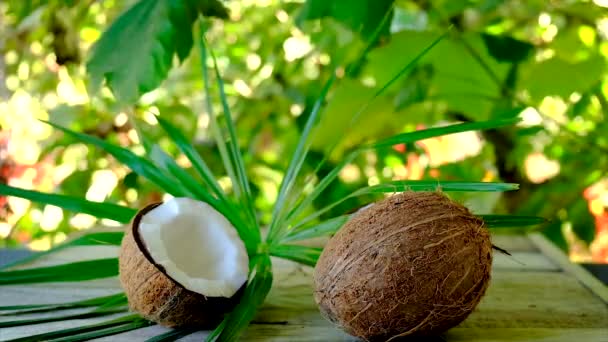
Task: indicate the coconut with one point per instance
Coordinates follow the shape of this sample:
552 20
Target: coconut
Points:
182 264
414 264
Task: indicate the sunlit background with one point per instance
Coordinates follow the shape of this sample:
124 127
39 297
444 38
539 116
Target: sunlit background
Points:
275 56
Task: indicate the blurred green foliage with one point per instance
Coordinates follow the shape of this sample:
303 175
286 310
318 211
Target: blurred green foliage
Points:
500 57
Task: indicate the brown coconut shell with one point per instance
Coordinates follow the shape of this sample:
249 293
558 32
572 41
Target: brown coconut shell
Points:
157 297
415 264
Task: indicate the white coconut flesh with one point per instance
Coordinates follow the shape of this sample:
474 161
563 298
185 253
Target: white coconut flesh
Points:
197 247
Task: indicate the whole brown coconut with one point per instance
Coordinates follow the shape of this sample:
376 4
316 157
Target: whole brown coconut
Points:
415 264
152 293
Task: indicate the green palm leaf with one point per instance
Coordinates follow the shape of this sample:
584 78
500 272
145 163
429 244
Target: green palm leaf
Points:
76 271
114 330
416 185
36 308
412 185
133 321
301 254
324 228
408 137
139 165
228 145
234 153
255 294
511 221
297 160
190 187
188 150
91 314
89 239
76 204
173 335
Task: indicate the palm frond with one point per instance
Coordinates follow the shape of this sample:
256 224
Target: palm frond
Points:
447 186
139 165
38 308
114 330
327 227
30 321
301 254
412 185
511 221
299 155
297 160
405 69
188 185
229 150
190 152
75 271
255 293
233 143
114 325
408 137
88 239
173 335
76 204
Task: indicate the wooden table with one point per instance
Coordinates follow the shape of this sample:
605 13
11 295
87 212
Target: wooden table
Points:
535 296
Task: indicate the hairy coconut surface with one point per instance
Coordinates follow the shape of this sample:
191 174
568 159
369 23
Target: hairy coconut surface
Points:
155 295
415 264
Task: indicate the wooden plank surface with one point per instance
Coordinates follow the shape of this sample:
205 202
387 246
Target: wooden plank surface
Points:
533 296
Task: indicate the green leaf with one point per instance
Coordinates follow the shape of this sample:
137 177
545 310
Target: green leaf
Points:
136 163
297 160
229 151
257 289
421 185
212 8
413 185
92 314
585 227
362 16
410 137
76 204
190 152
35 308
324 228
458 78
136 53
214 124
319 188
334 173
301 254
573 77
76 271
511 221
97 238
233 145
173 335
88 239
121 321
87 336
113 303
507 49
186 182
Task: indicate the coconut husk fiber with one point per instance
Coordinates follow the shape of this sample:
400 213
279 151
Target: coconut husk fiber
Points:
414 264
156 296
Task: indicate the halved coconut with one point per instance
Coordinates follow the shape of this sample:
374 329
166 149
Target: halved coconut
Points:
182 264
